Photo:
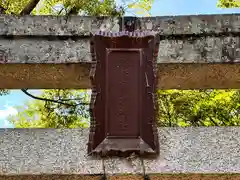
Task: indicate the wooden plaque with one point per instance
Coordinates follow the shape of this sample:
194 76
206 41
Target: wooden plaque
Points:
123 109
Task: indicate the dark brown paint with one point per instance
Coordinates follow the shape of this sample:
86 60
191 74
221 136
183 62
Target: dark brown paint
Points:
123 107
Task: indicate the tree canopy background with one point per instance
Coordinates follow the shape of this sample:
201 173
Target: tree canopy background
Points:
59 108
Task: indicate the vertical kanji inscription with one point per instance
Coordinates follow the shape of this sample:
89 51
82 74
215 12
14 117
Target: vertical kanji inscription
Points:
123 110
123 78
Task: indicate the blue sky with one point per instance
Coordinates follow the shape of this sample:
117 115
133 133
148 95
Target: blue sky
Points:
7 103
188 7
160 8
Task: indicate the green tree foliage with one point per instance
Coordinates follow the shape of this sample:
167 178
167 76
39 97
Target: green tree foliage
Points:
228 3
71 111
199 107
4 92
176 108
49 7
141 7
85 7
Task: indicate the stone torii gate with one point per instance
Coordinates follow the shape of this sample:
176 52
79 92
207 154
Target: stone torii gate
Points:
195 52
52 52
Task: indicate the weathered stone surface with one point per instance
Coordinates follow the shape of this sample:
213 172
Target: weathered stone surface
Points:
205 176
55 25
193 24
186 150
59 41
45 76
43 51
78 25
36 151
198 76
191 49
76 76
202 50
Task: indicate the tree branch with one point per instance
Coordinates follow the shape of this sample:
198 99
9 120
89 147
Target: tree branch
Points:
214 122
27 10
73 11
29 7
51 100
2 10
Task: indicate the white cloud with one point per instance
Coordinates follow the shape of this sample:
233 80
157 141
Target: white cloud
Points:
8 111
4 113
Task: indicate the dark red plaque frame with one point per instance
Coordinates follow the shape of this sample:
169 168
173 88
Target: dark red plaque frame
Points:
123 102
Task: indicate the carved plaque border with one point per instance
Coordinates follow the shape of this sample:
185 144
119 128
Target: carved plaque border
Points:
102 140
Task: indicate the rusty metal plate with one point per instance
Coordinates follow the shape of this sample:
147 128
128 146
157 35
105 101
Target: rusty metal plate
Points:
122 83
123 107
